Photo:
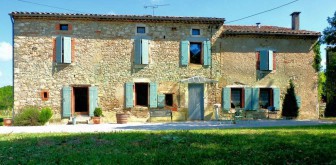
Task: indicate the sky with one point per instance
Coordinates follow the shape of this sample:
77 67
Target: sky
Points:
313 15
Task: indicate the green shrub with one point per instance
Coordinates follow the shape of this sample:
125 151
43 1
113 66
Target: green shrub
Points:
98 112
27 116
45 115
290 107
1 121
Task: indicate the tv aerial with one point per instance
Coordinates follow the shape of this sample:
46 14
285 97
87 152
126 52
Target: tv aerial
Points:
154 7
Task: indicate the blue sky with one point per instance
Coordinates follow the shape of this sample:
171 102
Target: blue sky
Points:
313 15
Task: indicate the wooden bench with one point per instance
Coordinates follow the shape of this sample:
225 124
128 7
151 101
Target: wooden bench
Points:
160 113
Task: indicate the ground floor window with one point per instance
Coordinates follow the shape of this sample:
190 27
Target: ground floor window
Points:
237 99
266 97
141 94
169 99
81 100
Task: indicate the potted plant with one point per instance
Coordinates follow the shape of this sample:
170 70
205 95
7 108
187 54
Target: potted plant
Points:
8 120
97 113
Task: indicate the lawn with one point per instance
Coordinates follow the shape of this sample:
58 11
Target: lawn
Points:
285 145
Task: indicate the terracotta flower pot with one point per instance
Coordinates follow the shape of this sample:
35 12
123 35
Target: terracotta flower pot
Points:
122 118
7 121
96 120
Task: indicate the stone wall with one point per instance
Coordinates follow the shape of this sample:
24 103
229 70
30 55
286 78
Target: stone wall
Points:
104 53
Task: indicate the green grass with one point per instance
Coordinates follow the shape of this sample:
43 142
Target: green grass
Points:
286 145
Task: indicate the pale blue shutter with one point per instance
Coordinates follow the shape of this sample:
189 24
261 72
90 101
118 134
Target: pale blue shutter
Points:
184 53
66 92
161 100
59 48
144 51
248 98
137 51
264 63
298 101
129 95
270 60
206 53
153 95
276 98
255 98
67 50
93 97
226 98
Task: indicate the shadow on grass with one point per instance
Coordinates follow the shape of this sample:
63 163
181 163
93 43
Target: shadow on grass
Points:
294 145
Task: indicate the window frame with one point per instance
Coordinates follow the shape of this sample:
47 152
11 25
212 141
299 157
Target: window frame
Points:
258 61
64 25
196 30
201 51
141 27
136 93
270 97
242 97
172 99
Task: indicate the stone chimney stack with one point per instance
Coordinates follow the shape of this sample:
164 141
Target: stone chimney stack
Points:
295 20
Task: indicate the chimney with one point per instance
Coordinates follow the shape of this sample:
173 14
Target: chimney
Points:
295 20
258 24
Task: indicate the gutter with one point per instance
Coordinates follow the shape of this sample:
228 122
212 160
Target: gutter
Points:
12 20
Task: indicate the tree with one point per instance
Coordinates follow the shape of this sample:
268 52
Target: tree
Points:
329 38
290 107
317 58
6 97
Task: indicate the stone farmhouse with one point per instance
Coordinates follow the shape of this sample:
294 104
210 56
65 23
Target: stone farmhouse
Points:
76 62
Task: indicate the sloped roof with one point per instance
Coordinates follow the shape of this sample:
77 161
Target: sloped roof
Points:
198 79
266 30
109 17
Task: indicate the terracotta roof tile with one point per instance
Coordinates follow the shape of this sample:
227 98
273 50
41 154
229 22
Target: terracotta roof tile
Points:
266 30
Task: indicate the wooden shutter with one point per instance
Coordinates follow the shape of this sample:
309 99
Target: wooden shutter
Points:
248 98
276 98
226 98
206 53
255 99
184 52
258 60
93 97
298 101
137 51
144 51
67 50
153 95
274 61
161 100
66 94
270 60
264 61
59 48
129 95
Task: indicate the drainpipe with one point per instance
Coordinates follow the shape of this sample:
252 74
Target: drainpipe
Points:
12 20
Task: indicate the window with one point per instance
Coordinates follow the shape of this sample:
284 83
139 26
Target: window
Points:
64 27
195 32
45 95
266 60
63 49
141 51
141 30
195 53
141 94
265 98
145 94
169 99
237 98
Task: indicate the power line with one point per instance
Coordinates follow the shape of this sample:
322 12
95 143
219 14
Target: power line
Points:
262 12
55 7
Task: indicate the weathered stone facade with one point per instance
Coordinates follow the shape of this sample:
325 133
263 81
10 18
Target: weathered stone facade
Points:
103 55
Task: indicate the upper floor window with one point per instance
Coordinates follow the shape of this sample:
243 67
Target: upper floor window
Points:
141 30
64 27
195 32
195 53
63 49
266 60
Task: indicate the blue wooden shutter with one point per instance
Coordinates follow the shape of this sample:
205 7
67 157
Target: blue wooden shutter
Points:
129 95
153 95
184 53
255 98
137 51
66 92
264 60
144 51
59 48
248 98
93 94
226 98
276 98
270 60
206 53
67 50
161 100
298 101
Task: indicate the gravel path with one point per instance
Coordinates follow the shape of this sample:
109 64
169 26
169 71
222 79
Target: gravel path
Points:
81 128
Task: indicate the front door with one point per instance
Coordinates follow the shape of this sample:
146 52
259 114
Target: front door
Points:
196 102
81 100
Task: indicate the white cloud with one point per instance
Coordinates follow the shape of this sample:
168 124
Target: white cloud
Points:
5 51
111 13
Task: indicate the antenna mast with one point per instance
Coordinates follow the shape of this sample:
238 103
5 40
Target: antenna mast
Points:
154 7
